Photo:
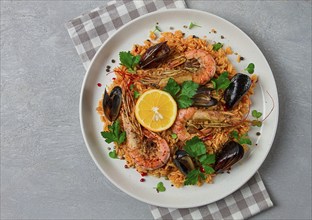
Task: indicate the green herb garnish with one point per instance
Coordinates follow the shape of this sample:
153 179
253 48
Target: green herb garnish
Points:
160 187
222 82
129 61
250 68
114 134
193 25
157 29
193 177
112 154
136 94
197 149
217 46
174 136
256 115
182 94
131 87
243 139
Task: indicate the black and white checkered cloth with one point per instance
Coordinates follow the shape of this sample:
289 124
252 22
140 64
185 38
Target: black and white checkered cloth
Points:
88 32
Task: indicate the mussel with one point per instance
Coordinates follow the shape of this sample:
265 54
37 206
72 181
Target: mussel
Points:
154 55
112 103
183 162
228 156
239 85
203 98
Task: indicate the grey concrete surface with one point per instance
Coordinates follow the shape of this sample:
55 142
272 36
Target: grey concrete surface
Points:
46 171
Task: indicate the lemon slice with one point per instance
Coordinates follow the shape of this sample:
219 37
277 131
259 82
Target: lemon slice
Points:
156 110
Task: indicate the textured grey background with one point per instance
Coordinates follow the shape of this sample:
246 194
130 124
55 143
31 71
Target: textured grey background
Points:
46 171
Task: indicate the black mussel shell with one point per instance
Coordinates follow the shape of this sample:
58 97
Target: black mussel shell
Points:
183 162
112 103
203 98
154 55
229 155
239 85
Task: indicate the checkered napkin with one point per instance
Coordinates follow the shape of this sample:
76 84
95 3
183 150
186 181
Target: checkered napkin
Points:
88 32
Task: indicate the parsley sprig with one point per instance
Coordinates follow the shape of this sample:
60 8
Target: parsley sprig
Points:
197 150
160 187
250 68
256 115
217 46
192 24
182 94
114 134
243 139
222 82
129 61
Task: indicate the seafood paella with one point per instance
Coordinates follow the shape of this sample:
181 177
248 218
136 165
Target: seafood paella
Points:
178 109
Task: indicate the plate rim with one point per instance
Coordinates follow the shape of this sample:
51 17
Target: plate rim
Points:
276 103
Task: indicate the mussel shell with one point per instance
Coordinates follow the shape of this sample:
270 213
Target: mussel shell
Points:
231 153
203 98
154 54
112 103
183 162
239 85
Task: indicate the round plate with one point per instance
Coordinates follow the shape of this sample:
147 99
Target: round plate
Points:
135 32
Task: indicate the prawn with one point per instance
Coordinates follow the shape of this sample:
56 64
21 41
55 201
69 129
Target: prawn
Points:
147 149
201 120
199 66
153 153
207 65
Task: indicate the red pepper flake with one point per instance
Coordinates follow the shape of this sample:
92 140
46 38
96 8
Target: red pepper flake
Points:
143 174
114 78
142 180
99 84
126 166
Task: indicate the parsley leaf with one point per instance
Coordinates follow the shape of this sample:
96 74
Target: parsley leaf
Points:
192 177
189 88
184 101
112 154
182 94
256 114
195 147
217 46
250 68
172 87
244 139
256 123
222 82
193 25
174 135
208 159
208 169
128 60
136 94
114 134
160 187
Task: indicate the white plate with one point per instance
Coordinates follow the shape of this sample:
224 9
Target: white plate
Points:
135 32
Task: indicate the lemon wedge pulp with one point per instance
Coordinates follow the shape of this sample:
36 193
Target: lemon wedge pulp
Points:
156 110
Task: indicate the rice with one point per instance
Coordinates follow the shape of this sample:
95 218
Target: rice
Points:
218 136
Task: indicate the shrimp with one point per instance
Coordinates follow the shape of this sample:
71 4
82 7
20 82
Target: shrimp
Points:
207 64
153 153
179 125
148 150
198 66
201 120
